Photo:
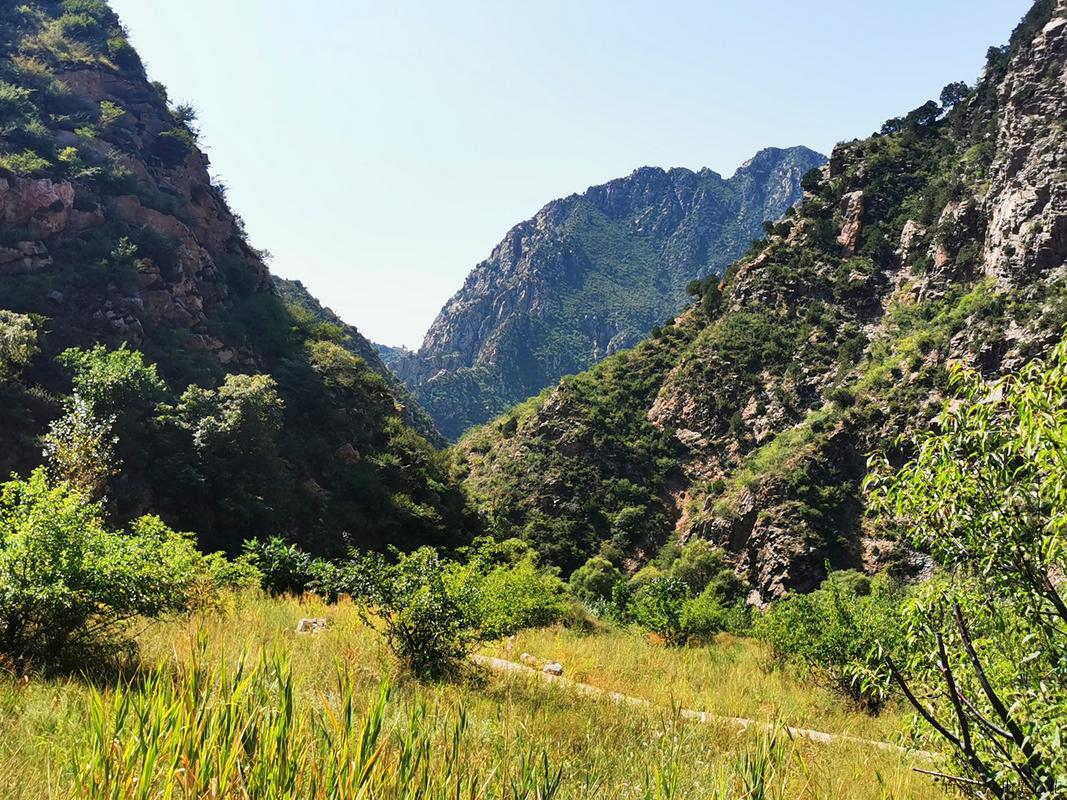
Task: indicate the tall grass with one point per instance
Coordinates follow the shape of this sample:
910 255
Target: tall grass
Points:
238 706
216 731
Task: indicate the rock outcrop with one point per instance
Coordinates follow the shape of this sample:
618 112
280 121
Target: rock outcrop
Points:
589 275
748 421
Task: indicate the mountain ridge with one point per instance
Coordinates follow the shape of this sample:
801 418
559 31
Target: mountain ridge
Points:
938 241
587 275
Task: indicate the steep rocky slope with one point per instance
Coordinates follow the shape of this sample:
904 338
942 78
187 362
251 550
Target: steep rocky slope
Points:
589 275
939 241
112 232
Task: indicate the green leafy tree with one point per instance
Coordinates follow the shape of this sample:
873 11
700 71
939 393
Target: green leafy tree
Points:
109 424
18 343
839 636
80 448
284 567
68 584
701 565
434 611
595 580
658 605
115 382
986 495
236 467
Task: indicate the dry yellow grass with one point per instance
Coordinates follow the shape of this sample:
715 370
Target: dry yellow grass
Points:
605 750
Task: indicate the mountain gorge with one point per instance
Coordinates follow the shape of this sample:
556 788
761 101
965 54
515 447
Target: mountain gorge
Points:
938 242
113 234
590 275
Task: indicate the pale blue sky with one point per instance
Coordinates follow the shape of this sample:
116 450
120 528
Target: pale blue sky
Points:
380 150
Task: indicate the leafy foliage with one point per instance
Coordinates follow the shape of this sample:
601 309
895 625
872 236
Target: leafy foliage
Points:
18 342
434 611
68 584
839 634
986 495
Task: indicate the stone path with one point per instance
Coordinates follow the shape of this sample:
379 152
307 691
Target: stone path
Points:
501 665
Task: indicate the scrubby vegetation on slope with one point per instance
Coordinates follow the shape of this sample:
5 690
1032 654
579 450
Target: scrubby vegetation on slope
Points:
260 416
748 420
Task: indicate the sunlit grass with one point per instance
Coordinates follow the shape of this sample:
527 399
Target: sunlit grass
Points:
506 729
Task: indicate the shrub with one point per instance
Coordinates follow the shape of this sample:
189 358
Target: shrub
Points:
839 635
284 567
703 616
657 606
985 495
67 583
595 580
25 163
80 448
511 591
433 612
18 343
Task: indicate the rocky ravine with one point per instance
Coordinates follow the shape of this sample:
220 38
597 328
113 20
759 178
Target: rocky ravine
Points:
748 421
587 276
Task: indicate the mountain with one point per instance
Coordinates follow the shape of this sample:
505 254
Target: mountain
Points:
113 233
390 355
589 275
939 241
294 293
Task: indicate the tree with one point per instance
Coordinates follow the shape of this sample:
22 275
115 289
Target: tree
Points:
80 448
18 343
657 606
595 580
433 611
109 422
701 565
114 382
839 635
233 432
68 584
953 94
986 495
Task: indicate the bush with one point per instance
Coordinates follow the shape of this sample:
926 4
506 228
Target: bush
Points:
658 606
840 635
985 496
18 343
284 567
434 611
703 616
701 565
594 581
68 584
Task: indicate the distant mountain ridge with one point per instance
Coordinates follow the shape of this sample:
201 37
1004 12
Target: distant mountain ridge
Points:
588 275
938 242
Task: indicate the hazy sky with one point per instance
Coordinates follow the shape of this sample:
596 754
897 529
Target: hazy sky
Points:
380 150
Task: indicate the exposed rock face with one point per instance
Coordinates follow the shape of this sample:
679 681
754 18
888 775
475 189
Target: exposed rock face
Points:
1027 200
171 203
590 275
939 242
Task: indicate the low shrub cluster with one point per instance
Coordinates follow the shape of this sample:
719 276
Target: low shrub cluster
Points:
70 585
687 594
840 634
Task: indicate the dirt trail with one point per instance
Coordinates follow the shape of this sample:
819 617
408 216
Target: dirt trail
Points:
501 665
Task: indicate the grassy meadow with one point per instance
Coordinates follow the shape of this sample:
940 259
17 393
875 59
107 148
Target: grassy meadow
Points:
234 704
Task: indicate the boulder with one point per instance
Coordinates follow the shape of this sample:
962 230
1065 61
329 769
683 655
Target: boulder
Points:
311 625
